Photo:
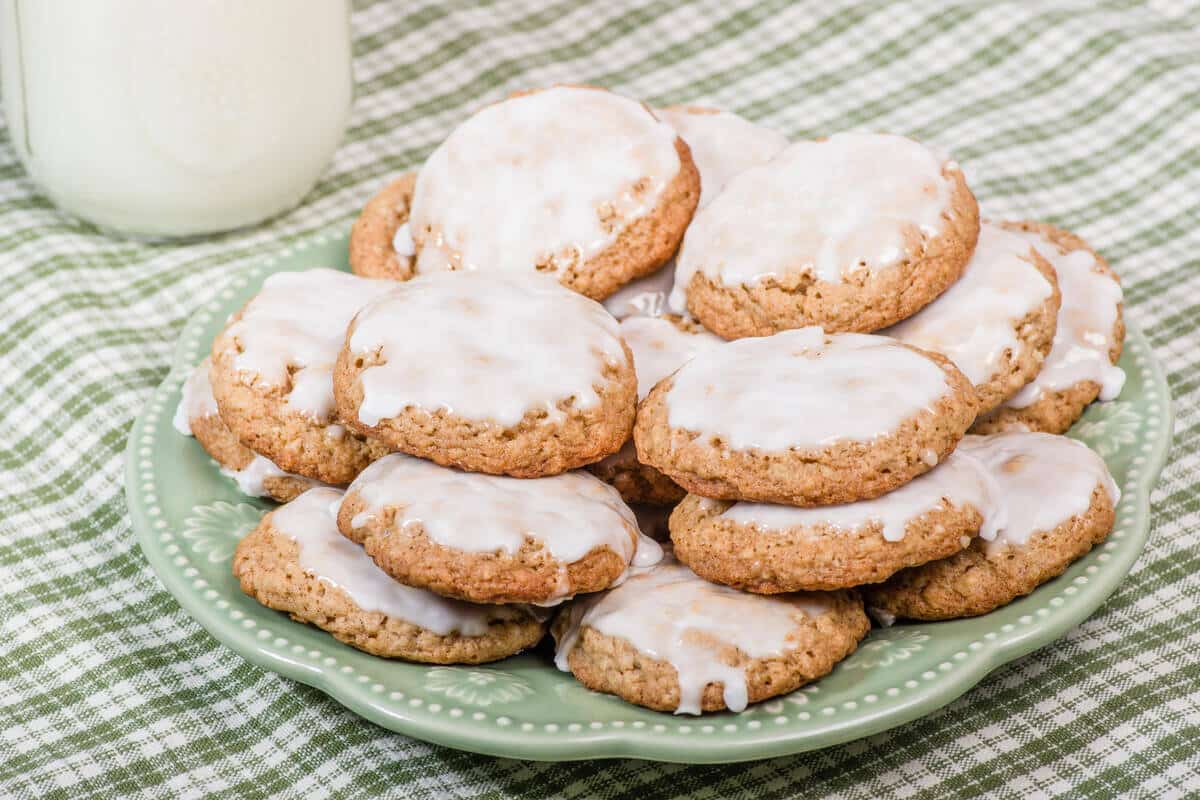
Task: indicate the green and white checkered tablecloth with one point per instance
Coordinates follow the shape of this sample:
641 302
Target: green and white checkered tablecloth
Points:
1084 113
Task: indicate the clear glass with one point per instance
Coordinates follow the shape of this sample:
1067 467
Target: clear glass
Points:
176 117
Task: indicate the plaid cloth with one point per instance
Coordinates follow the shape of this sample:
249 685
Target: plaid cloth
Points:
1086 114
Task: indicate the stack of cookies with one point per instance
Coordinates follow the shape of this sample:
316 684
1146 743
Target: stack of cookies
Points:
795 341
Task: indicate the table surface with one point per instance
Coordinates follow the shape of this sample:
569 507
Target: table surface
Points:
1086 114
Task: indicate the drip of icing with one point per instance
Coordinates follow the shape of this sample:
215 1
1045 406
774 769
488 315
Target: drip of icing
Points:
644 297
1084 335
569 515
648 553
669 613
723 145
545 179
310 520
974 321
852 202
802 389
1043 480
959 480
493 347
402 242
659 348
297 323
250 478
196 399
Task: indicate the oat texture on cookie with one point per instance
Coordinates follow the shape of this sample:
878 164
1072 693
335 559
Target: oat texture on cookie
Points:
491 372
804 418
1082 364
297 561
254 474
272 370
491 538
997 322
854 233
1058 501
574 181
669 640
381 243
769 548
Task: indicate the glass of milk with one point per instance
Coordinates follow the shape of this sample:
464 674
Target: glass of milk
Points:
168 118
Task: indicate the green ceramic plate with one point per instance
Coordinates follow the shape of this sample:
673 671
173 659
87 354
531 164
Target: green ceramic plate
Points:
188 518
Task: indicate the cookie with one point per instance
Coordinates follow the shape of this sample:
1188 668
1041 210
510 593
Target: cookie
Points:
272 372
573 181
637 482
296 561
255 475
490 539
659 347
381 244
804 418
1056 501
1082 364
671 641
997 322
722 145
768 548
644 297
509 374
854 233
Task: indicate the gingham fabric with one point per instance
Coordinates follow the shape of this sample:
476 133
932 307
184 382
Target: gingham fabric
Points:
1086 114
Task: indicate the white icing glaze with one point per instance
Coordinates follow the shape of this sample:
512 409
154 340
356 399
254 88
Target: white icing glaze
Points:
644 297
402 242
197 403
569 515
1043 479
553 176
723 145
659 348
299 320
802 389
250 478
975 321
310 519
855 201
649 552
485 346
959 480
196 399
1085 327
671 614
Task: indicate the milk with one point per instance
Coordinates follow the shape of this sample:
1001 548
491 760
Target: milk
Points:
175 117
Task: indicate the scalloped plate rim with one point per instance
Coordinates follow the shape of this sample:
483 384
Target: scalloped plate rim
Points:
629 741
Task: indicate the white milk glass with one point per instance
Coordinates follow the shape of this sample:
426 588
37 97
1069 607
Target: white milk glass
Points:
175 117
